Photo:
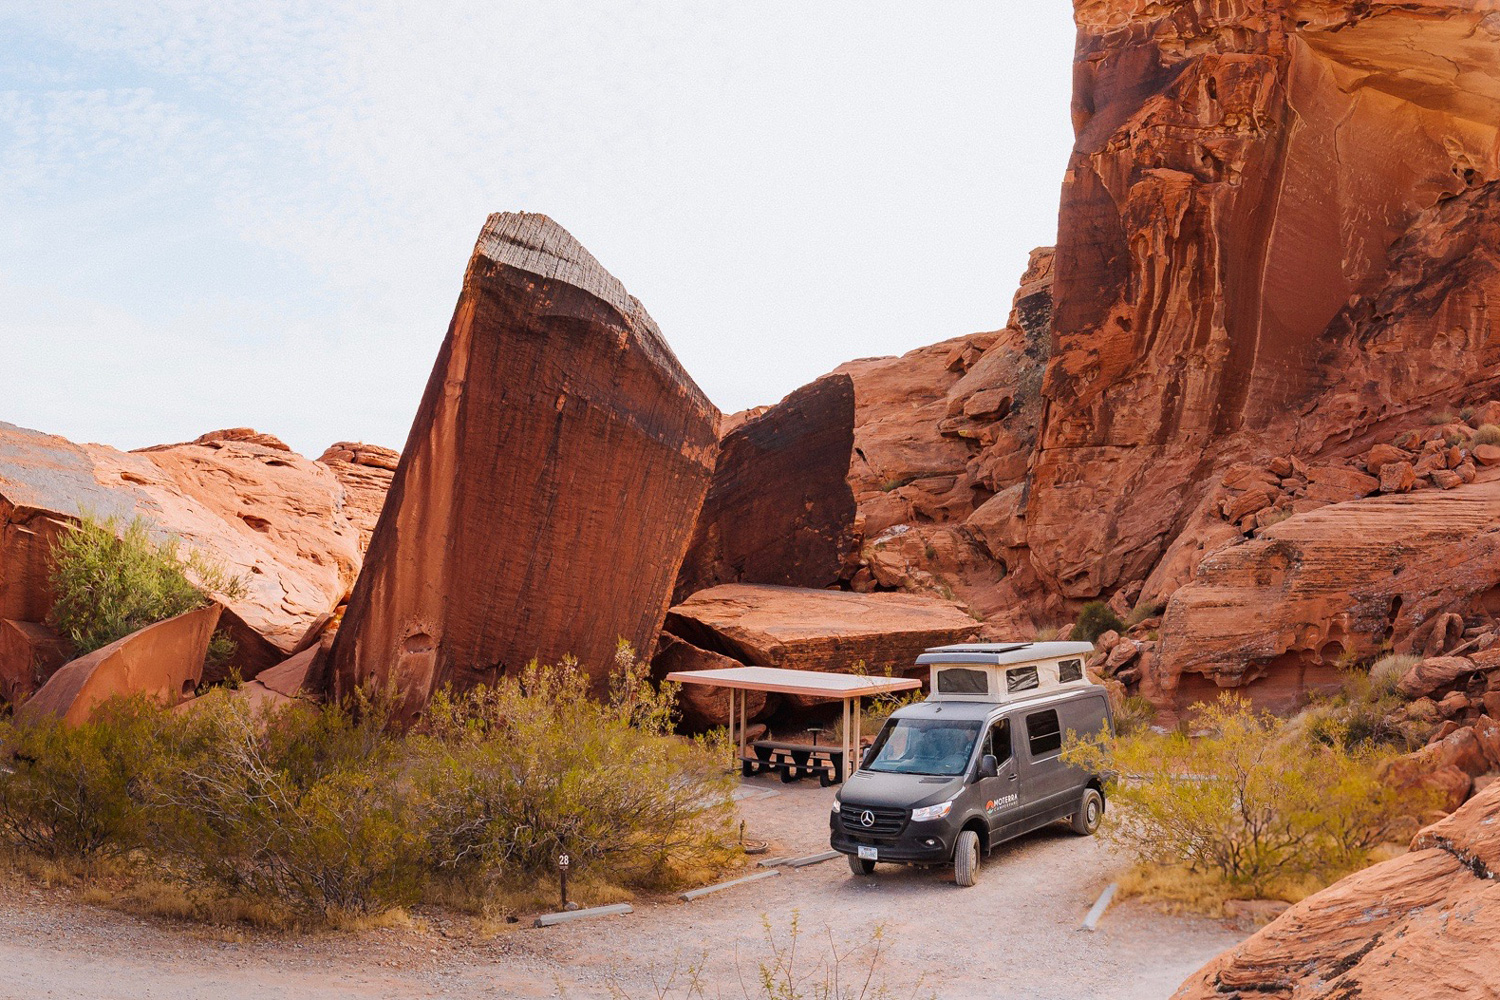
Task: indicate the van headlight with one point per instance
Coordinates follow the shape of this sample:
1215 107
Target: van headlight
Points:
836 807
939 811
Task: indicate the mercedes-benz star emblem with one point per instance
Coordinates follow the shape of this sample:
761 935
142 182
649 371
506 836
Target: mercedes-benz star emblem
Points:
867 818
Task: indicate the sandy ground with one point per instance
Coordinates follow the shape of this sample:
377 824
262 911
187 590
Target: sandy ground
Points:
1014 936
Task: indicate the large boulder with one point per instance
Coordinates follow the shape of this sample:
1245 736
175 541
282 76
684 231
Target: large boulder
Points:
365 470
30 653
1419 927
162 661
550 485
780 509
1278 614
704 706
826 630
1279 229
271 516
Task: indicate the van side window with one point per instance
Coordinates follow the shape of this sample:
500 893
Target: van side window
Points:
1021 679
997 741
1070 670
1043 733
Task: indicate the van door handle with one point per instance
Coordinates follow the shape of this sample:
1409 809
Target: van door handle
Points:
1013 777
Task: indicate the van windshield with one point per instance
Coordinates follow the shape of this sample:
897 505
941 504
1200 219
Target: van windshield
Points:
924 746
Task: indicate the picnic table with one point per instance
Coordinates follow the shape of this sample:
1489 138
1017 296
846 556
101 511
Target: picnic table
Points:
830 762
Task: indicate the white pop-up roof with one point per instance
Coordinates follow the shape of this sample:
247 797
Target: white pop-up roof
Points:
1005 672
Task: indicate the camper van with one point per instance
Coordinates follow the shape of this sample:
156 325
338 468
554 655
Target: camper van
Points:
977 763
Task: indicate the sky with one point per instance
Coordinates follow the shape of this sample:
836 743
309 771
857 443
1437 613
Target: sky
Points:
258 213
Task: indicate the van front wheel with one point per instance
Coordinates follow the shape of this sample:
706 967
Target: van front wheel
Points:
860 867
966 858
1090 812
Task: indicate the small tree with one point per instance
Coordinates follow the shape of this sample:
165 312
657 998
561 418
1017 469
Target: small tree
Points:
109 581
1252 801
1095 619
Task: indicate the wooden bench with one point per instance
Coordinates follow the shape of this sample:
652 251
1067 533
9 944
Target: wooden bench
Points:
794 761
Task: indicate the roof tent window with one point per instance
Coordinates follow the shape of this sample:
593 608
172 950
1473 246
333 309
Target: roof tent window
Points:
1021 679
1070 670
957 680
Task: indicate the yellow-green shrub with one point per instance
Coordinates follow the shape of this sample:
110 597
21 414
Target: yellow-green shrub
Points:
1252 801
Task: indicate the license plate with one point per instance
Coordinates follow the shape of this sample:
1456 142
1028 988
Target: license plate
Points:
868 854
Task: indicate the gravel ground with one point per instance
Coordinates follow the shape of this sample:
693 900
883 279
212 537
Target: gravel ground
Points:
1013 936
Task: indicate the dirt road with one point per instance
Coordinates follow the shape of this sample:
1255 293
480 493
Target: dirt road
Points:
1013 936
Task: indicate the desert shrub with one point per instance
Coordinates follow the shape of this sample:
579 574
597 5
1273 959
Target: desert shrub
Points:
309 807
77 792
1253 803
1144 610
531 768
111 580
1487 434
1135 715
1386 672
1095 619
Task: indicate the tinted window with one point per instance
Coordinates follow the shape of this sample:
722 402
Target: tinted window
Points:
997 741
1043 733
1070 670
1021 679
924 746
957 680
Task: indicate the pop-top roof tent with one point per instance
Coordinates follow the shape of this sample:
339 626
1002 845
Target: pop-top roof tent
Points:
1002 673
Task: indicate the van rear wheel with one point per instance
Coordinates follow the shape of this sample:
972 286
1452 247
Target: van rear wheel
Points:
1090 812
966 858
860 867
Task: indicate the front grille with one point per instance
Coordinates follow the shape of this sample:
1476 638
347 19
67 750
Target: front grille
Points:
887 822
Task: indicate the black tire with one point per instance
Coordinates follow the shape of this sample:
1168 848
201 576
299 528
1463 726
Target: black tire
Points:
860 867
966 858
1090 812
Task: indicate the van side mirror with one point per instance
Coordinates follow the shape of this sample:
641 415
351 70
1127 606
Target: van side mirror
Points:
989 766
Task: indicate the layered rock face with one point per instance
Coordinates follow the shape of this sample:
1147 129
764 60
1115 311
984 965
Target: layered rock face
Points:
550 485
1278 230
780 509
825 630
271 516
163 661
1420 926
365 470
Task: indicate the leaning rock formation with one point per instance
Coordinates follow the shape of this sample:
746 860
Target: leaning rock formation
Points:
827 630
780 509
1277 613
366 471
550 485
704 707
273 517
162 661
1419 927
1279 229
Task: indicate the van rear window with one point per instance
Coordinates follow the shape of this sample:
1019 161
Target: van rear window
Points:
1070 670
1043 733
1021 679
959 680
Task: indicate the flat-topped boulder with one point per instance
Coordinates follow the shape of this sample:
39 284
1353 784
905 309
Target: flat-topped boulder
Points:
163 661
827 630
549 488
780 509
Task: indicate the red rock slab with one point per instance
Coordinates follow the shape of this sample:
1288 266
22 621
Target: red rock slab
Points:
780 509
1419 927
704 707
550 485
162 661
826 630
1279 611
295 677
30 653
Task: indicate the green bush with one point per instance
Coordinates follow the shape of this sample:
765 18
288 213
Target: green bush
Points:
111 580
77 792
1252 802
1094 620
529 769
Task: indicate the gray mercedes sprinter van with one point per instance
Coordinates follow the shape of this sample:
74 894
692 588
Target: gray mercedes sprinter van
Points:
977 763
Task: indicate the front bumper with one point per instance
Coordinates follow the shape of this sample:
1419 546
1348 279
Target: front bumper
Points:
919 843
